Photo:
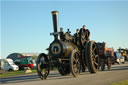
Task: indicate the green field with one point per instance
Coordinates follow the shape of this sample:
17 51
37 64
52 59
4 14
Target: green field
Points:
121 83
14 73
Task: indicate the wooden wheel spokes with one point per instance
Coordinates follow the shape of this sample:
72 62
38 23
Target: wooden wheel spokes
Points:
96 64
92 57
95 56
76 63
94 48
76 58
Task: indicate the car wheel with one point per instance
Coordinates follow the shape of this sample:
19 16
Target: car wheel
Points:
10 70
123 62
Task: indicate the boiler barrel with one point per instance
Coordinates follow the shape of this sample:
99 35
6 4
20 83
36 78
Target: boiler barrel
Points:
59 48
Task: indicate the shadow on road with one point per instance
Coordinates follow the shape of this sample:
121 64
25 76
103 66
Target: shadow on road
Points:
17 79
33 77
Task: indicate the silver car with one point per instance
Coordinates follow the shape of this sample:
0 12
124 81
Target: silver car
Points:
119 58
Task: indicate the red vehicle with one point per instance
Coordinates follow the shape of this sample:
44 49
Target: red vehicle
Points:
106 55
26 61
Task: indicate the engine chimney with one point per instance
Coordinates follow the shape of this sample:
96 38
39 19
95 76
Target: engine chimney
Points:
55 22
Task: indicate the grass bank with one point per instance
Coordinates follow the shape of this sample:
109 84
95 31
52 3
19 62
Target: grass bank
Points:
14 73
121 83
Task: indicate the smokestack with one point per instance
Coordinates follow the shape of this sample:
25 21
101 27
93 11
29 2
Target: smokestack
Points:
55 22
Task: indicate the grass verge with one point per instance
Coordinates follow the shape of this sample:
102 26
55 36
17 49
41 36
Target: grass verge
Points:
121 83
14 73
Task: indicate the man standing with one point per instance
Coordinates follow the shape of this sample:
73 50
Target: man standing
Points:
61 29
84 37
76 35
87 32
62 37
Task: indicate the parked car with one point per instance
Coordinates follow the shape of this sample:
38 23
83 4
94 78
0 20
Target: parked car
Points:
119 58
8 65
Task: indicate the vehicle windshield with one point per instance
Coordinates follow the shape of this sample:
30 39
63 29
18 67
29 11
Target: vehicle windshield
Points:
118 55
27 60
11 63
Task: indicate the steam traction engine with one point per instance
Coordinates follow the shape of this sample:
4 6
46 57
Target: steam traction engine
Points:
67 55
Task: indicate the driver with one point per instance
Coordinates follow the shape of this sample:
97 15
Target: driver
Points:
86 31
62 34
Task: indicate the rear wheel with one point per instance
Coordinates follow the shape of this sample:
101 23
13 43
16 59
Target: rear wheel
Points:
92 57
75 63
43 66
64 69
123 62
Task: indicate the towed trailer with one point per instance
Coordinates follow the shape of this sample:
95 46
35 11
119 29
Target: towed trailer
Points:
106 55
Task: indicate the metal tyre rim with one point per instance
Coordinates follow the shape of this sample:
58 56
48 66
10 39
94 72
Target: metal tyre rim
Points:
43 66
95 57
92 56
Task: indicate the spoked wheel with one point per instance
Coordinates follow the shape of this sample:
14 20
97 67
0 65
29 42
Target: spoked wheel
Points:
43 66
64 69
92 57
75 63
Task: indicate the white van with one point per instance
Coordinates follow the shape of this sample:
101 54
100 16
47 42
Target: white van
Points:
8 65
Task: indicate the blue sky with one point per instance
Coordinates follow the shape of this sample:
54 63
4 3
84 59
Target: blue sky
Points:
26 25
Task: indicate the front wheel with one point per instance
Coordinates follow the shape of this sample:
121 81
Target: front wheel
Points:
92 57
43 66
75 63
123 62
10 69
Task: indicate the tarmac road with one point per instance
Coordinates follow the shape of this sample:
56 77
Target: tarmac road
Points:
117 73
